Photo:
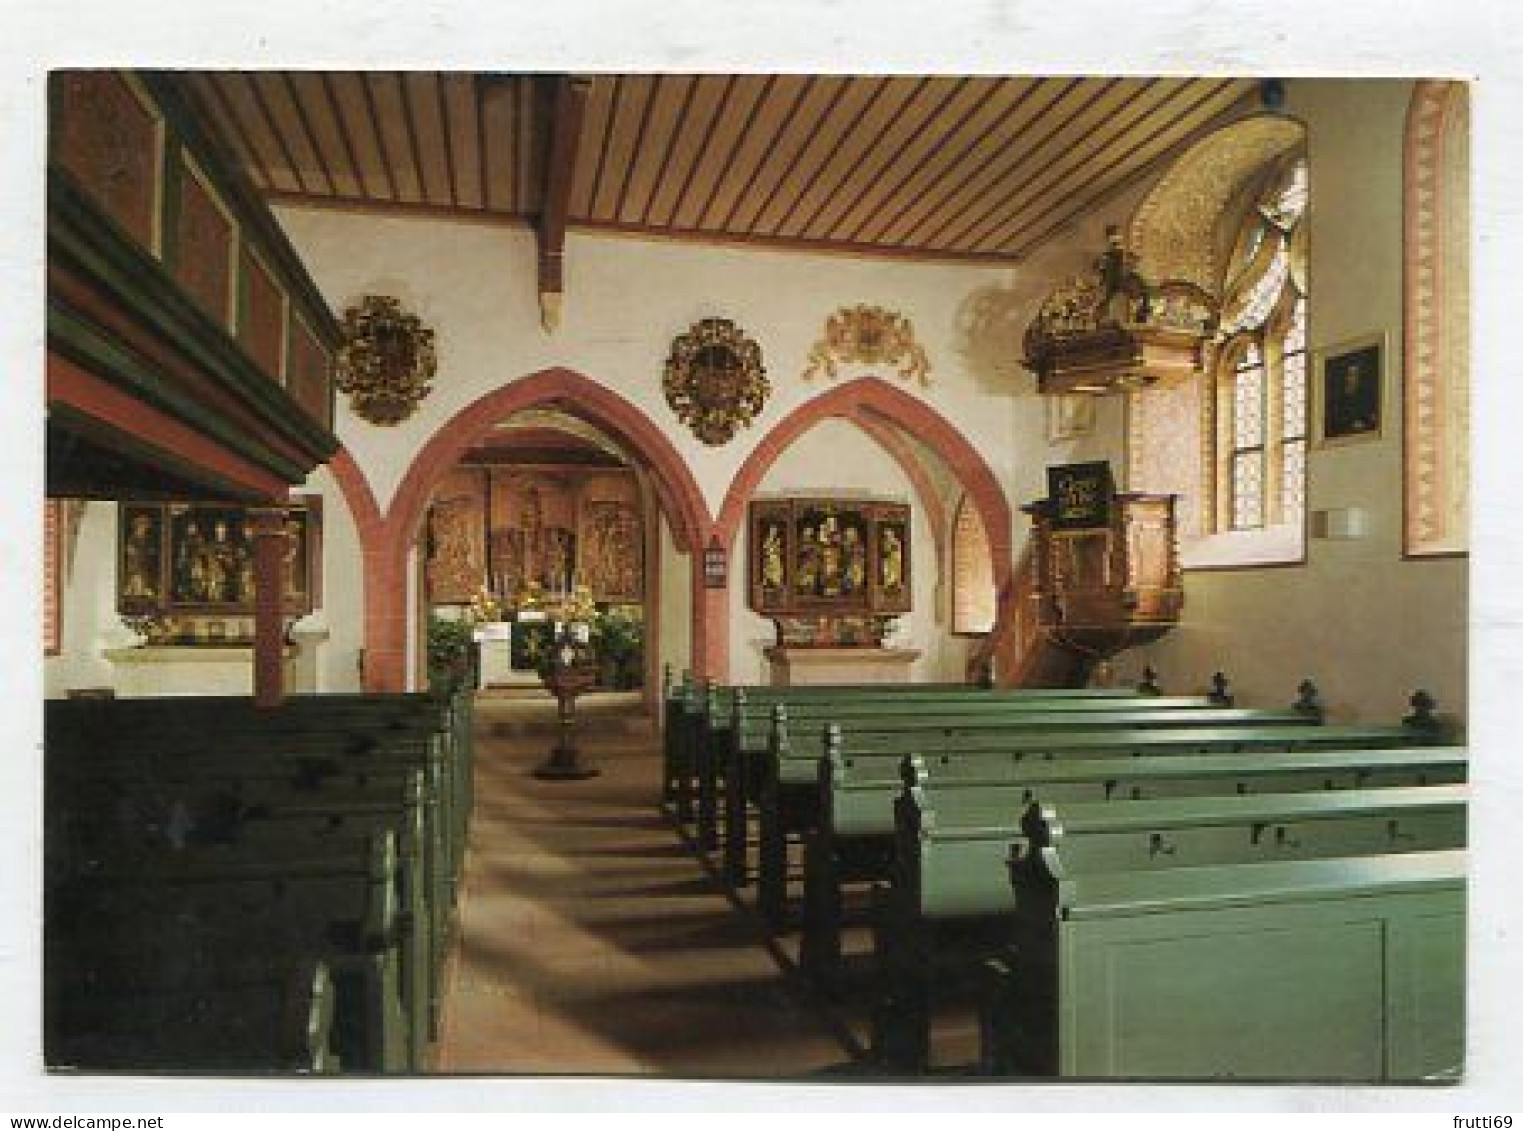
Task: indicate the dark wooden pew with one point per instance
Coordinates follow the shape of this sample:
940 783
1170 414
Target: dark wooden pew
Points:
77 727
318 739
276 1018
125 809
206 770
216 918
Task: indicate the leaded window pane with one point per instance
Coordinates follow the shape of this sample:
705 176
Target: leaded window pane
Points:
1292 200
1248 407
1295 333
1293 397
1247 490
1293 481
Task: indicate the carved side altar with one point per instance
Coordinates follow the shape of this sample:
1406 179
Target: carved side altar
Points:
833 574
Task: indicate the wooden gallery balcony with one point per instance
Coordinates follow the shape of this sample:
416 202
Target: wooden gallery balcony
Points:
188 351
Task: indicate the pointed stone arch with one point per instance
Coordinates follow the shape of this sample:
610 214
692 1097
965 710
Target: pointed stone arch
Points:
871 403
914 417
677 492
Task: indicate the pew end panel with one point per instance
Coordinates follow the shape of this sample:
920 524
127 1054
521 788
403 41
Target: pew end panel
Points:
1331 970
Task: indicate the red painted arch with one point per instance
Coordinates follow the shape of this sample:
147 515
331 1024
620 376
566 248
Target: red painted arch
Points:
581 396
377 578
677 492
885 402
358 495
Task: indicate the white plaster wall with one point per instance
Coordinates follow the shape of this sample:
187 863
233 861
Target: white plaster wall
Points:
1366 625
625 301
674 630
342 614
90 623
836 456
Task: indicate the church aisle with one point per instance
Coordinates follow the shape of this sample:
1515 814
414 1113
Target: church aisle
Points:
591 942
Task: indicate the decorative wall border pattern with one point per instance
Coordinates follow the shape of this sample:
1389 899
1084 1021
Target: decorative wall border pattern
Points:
1436 322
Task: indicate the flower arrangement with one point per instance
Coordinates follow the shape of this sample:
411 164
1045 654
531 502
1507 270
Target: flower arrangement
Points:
576 607
484 607
579 632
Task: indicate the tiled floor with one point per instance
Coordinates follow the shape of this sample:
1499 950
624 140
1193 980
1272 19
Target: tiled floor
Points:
591 941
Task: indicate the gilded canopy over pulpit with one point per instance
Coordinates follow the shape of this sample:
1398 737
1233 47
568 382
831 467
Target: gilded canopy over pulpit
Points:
1114 331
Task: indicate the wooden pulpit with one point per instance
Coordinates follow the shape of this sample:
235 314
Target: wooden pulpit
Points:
1106 585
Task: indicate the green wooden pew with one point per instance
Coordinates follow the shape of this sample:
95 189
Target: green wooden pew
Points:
740 746
1344 969
789 801
128 807
955 862
317 745
697 724
343 743
734 721
718 712
677 720
211 916
276 1018
855 840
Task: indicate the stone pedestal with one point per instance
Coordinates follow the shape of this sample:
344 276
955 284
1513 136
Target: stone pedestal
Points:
794 667
565 761
169 670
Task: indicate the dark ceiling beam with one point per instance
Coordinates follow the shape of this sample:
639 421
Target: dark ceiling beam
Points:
568 103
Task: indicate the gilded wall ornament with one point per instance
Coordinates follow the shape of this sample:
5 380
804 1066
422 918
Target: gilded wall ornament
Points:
386 362
714 379
869 335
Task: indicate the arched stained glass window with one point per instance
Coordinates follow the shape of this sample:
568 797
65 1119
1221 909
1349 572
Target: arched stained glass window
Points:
1260 402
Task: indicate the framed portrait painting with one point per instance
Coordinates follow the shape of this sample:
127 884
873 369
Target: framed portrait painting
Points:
1349 390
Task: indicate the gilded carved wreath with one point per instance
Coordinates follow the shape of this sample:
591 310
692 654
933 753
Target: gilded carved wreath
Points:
386 361
869 335
714 380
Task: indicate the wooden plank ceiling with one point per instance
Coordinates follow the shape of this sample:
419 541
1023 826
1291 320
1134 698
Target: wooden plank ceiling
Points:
980 168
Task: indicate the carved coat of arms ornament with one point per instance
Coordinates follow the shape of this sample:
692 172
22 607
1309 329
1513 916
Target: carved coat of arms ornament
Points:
869 335
714 380
386 361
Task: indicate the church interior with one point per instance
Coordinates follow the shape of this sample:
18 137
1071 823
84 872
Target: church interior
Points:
767 576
